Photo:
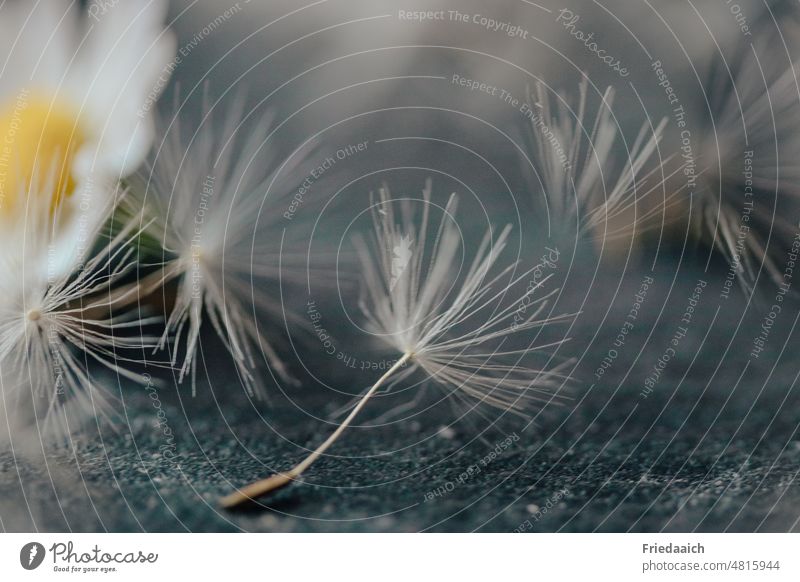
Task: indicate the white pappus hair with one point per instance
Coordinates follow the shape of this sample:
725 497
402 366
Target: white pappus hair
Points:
55 322
586 189
449 326
216 198
422 311
749 189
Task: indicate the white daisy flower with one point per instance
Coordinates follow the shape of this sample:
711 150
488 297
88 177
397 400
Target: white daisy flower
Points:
588 192
73 95
453 329
218 202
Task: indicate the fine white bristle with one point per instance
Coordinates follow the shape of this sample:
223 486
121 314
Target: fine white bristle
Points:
586 188
749 187
449 326
427 310
217 204
55 323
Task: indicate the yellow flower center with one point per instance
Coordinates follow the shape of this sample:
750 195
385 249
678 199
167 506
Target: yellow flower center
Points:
39 137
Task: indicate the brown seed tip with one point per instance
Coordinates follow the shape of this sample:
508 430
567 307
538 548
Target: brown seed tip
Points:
256 490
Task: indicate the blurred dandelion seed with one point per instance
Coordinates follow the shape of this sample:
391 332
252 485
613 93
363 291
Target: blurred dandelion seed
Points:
431 321
750 159
52 322
206 189
575 163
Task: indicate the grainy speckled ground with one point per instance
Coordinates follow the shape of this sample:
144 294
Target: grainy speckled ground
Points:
707 451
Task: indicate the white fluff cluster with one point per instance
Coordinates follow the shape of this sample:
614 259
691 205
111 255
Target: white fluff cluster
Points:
73 122
209 193
55 324
589 192
748 191
451 325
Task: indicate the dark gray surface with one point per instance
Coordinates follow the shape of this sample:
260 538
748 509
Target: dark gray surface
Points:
705 452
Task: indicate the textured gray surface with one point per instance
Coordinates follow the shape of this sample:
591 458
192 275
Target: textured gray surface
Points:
707 451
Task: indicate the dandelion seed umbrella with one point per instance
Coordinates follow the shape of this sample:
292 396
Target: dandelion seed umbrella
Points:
413 303
748 197
574 160
216 200
53 322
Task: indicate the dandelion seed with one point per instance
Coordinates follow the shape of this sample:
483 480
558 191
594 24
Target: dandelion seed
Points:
749 160
54 323
575 165
454 334
218 201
